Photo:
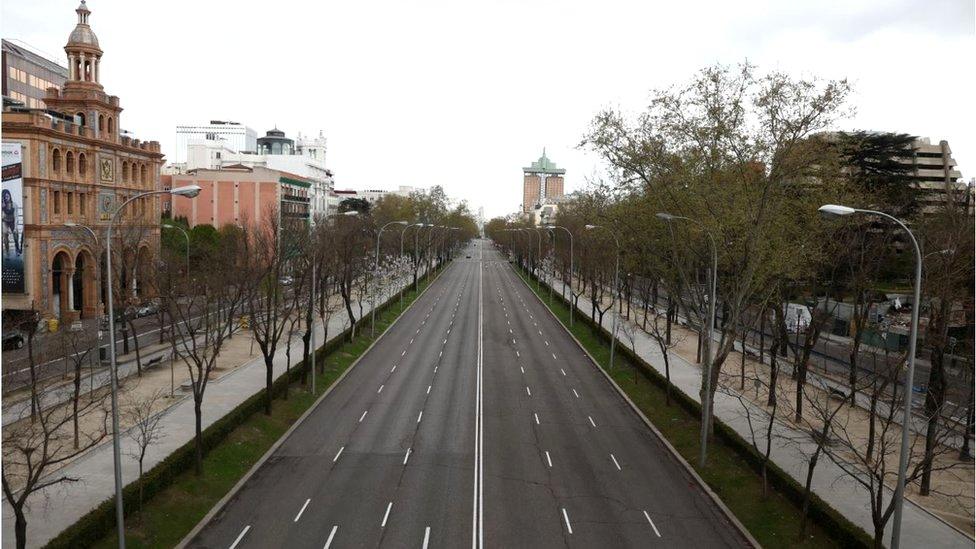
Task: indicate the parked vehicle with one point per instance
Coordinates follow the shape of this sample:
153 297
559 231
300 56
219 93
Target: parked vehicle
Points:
147 309
13 339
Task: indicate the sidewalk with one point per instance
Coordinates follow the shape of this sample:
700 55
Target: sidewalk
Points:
54 509
919 527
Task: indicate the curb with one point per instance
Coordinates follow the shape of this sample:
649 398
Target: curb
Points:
674 453
219 506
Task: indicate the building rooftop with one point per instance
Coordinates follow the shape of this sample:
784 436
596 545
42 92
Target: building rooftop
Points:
26 51
544 166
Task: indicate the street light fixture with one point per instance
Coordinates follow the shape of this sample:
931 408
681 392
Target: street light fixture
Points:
616 277
376 267
707 366
572 304
188 191
834 210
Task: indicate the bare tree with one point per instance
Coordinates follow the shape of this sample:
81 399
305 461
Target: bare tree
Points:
145 430
76 347
659 328
34 448
198 317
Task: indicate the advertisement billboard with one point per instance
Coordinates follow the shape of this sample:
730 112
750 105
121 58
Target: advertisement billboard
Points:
13 218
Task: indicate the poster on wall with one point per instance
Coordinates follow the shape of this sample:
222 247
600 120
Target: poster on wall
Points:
13 218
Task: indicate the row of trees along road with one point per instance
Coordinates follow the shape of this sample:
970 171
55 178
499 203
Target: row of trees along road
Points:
260 269
749 157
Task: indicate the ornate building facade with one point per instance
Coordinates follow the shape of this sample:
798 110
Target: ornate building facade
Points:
77 168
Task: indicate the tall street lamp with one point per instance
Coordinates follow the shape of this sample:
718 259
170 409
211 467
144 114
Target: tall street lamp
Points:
616 276
188 191
706 400
572 304
376 268
834 210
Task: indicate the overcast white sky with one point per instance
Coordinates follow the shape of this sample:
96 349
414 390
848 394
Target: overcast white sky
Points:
463 94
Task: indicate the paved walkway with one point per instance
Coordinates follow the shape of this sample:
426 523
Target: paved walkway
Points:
919 527
53 510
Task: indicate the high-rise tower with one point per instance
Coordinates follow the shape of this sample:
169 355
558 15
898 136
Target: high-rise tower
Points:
542 183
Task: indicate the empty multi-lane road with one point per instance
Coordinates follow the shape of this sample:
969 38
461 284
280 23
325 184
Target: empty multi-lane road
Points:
475 420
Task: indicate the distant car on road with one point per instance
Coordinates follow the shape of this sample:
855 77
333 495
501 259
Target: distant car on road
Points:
13 339
147 309
286 280
468 256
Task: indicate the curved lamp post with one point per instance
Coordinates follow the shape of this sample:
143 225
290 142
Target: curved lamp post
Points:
616 276
707 366
572 304
376 268
188 191
834 210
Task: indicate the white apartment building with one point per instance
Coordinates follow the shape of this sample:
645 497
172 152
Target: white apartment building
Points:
233 135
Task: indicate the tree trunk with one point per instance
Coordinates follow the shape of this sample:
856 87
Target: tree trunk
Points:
135 342
198 434
20 527
268 382
805 508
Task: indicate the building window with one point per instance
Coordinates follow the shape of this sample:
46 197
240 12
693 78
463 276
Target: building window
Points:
143 177
82 165
71 203
56 161
57 202
81 203
101 123
125 172
111 126
69 163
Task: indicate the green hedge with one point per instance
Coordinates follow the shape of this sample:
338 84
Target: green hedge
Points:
841 530
100 521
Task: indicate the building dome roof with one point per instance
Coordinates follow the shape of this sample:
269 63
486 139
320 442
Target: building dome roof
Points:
82 34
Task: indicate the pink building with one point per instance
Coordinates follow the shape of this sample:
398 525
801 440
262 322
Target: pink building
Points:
238 194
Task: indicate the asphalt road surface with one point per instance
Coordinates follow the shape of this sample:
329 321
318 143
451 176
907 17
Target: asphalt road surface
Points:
475 420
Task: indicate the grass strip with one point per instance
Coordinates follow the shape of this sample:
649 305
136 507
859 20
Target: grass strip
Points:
168 516
773 520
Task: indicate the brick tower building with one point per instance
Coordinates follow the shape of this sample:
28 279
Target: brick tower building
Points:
542 183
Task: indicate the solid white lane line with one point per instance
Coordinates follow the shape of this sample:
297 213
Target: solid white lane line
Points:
648 517
407 456
362 416
387 515
302 510
240 537
575 393
566 516
527 390
428 389
615 462
426 536
328 542
549 459
420 415
339 453
380 390
536 418
591 421
563 371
